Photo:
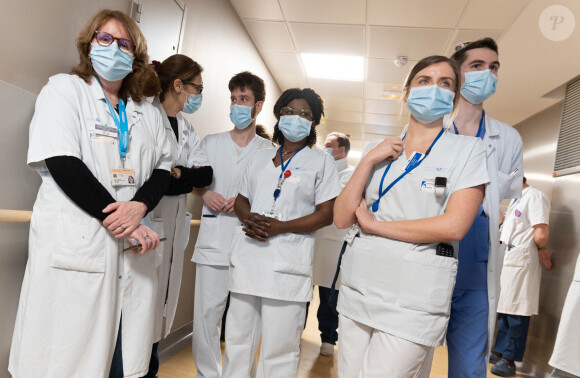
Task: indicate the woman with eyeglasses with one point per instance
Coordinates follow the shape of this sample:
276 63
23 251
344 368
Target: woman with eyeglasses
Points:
412 198
287 193
88 296
181 85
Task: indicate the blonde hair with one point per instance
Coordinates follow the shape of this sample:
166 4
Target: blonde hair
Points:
142 81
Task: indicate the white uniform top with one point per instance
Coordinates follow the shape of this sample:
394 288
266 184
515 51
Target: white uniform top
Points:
567 347
521 274
329 240
78 280
281 268
400 288
216 230
186 152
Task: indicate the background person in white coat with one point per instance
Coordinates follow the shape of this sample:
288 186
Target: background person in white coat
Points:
524 236
181 85
287 193
327 247
567 348
228 153
408 196
476 292
87 304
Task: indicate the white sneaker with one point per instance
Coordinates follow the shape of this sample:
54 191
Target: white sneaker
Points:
327 349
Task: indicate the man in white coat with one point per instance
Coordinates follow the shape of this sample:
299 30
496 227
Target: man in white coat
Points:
524 236
228 153
327 247
474 303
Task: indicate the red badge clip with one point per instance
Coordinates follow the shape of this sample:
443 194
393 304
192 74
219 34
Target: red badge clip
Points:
287 174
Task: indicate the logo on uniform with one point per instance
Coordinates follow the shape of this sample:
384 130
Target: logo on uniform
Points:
518 213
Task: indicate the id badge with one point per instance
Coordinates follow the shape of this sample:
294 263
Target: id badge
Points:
352 232
103 129
122 177
272 214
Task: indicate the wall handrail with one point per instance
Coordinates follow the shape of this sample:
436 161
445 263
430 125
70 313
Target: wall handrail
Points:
23 216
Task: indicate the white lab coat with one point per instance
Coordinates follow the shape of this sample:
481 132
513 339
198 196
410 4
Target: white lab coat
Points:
567 347
78 281
504 156
215 233
522 272
329 240
281 268
401 288
186 152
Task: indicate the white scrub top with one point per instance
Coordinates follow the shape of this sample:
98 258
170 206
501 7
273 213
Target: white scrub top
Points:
522 272
329 240
567 347
216 229
78 280
186 152
400 288
281 268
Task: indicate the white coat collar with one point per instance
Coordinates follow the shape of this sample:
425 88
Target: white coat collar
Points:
491 127
341 164
132 107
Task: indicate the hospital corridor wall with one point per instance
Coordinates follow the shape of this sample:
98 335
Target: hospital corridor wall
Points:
540 136
39 41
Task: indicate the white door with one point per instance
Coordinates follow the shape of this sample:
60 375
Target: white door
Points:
161 21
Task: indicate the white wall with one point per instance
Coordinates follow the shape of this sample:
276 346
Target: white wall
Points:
38 41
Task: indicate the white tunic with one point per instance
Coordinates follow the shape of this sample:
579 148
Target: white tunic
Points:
522 272
281 268
216 230
186 152
400 288
567 347
78 280
329 240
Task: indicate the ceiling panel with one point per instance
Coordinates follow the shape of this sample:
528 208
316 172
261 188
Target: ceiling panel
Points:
290 81
325 11
383 130
491 14
415 43
270 35
375 90
282 63
343 103
329 39
259 9
384 71
393 107
385 119
341 115
416 13
335 87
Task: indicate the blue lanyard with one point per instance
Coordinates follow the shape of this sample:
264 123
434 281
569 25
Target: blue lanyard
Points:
412 165
282 176
480 130
122 124
282 166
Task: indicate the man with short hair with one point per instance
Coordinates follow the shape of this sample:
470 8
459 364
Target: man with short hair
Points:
474 303
228 153
327 247
524 237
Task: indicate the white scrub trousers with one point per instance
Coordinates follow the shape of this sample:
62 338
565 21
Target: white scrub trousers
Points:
365 352
211 294
280 323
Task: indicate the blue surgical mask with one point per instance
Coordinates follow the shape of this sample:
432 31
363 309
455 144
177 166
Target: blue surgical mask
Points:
294 127
479 86
192 103
328 150
430 103
241 116
111 63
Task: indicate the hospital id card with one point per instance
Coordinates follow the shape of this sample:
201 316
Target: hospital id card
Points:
103 129
123 177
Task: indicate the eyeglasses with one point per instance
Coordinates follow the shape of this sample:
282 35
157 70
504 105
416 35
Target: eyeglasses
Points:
461 45
197 86
105 39
304 113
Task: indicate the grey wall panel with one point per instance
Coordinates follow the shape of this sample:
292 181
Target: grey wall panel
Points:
540 134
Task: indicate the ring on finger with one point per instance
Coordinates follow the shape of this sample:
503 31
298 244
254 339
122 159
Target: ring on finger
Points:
122 227
147 237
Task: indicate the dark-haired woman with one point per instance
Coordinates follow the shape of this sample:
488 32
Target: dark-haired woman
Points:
287 193
413 198
181 86
87 304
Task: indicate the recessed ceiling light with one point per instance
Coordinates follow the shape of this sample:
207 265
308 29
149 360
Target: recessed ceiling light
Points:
335 67
392 95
